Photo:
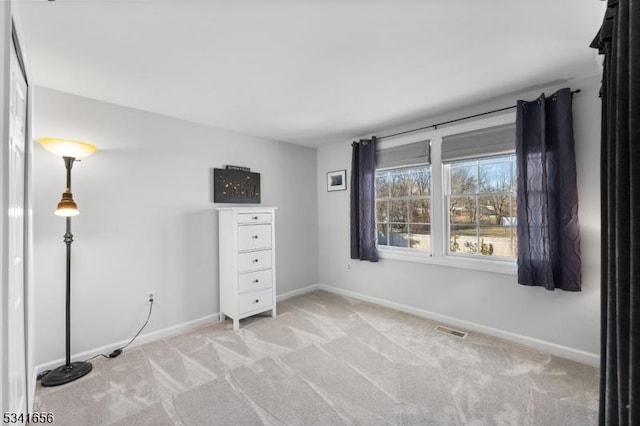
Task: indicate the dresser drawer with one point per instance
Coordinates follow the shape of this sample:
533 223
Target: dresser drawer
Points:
256 300
254 260
252 281
253 237
247 267
244 218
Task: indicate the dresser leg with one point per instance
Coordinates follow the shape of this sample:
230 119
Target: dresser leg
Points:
236 324
222 316
273 311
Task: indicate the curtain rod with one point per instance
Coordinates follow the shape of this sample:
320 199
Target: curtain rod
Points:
435 126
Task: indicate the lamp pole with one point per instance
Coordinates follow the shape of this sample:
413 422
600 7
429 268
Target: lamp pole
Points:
68 239
69 371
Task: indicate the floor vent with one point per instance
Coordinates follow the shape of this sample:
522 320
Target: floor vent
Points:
451 332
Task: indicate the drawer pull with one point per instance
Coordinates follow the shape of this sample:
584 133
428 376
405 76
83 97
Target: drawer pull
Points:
254 218
256 301
256 281
255 260
255 237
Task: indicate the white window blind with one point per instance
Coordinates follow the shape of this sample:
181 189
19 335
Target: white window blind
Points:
479 143
404 155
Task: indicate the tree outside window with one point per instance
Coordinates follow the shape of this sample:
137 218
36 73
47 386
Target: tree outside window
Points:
481 200
403 207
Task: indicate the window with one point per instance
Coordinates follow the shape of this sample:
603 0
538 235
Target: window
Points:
450 199
403 207
481 202
480 192
403 196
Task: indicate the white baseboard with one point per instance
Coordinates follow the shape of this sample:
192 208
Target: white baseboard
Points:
553 348
159 334
297 292
549 347
140 340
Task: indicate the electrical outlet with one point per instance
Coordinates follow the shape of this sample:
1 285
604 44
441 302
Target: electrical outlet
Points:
349 267
151 296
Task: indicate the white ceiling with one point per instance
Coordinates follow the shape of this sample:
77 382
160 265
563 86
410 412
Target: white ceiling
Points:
310 72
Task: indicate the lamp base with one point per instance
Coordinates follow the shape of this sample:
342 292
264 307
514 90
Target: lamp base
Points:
66 373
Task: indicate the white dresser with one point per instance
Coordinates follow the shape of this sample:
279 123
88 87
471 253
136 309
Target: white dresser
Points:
247 262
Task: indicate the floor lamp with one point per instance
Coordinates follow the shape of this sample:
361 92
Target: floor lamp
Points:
70 151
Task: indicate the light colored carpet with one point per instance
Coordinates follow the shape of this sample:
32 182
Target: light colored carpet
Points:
328 360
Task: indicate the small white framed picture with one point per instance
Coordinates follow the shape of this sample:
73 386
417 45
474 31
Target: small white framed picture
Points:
337 181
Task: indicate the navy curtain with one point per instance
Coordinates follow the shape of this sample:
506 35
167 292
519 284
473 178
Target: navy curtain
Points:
363 211
619 41
547 200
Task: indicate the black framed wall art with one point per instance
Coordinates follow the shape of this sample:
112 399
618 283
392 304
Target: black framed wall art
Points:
337 180
236 185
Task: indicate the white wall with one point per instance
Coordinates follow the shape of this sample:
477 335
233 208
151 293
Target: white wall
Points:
5 39
28 213
147 221
564 322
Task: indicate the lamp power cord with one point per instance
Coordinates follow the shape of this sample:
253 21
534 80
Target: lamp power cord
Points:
116 352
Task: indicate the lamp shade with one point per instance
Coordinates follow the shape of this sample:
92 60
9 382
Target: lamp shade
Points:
66 206
68 147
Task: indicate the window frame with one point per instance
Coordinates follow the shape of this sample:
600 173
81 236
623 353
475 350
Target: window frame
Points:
446 170
439 211
429 197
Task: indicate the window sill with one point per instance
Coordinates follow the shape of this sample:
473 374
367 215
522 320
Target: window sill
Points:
485 265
